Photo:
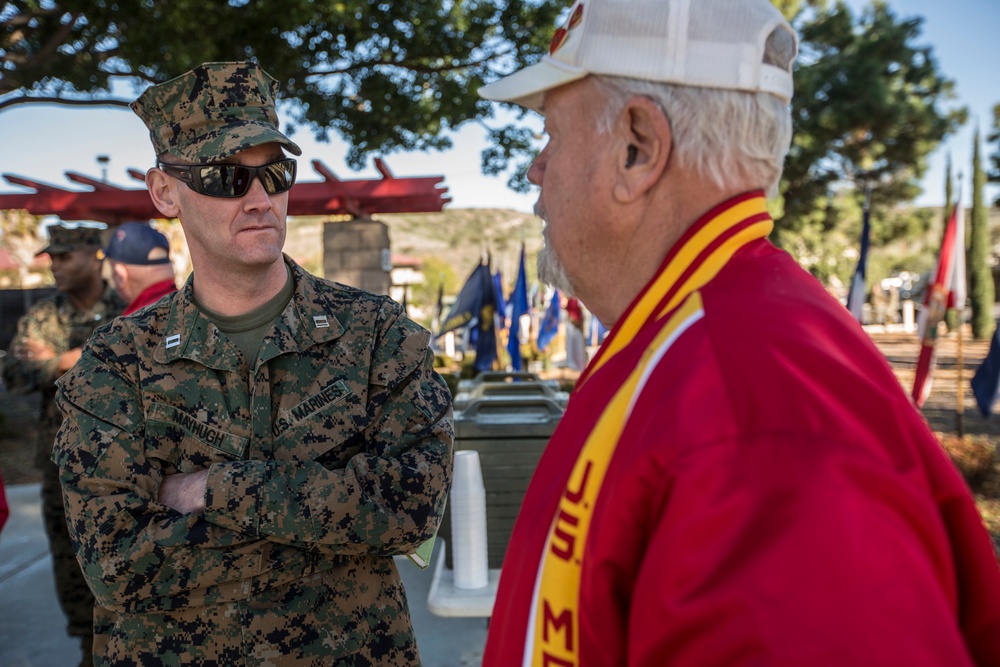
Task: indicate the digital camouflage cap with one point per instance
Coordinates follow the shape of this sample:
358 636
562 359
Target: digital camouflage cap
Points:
213 112
66 239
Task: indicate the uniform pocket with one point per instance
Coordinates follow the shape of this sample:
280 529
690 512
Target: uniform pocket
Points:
185 443
198 636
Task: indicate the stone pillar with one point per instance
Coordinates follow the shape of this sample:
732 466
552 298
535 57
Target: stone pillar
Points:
356 253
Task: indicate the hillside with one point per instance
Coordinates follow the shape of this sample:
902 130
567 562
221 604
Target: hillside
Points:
456 236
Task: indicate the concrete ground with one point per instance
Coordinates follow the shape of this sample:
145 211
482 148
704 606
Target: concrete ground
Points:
32 627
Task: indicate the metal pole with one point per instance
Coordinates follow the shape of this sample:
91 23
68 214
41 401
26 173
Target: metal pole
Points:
960 393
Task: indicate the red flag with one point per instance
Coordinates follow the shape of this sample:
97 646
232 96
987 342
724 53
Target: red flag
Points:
947 291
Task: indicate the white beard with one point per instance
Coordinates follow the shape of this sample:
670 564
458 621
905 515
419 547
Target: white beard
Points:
550 269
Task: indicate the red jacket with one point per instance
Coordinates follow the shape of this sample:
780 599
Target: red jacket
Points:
151 294
770 494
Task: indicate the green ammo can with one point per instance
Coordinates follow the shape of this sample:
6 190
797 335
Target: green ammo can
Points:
503 385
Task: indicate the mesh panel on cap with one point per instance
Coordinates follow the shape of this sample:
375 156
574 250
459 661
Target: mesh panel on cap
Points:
725 22
726 44
641 23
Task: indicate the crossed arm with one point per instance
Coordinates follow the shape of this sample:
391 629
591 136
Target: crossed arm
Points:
151 540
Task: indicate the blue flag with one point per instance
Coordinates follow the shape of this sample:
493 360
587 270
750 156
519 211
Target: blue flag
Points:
486 341
474 308
597 333
467 306
500 304
987 379
550 322
856 296
518 307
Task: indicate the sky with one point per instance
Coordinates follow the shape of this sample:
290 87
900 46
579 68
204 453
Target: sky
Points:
43 142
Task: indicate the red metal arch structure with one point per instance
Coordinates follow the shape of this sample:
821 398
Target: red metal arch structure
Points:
332 196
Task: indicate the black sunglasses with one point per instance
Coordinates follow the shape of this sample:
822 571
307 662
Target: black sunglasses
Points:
233 180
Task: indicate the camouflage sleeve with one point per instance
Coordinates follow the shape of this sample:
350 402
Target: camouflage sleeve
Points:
39 323
389 498
133 550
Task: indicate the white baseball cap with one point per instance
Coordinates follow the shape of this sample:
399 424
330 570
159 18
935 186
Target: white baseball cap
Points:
726 44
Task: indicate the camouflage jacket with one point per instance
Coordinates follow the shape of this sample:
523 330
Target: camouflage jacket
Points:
56 322
327 457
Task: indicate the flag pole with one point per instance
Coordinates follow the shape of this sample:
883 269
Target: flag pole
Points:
960 389
960 394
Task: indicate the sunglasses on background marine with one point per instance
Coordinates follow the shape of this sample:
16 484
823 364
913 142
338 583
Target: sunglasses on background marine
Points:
230 181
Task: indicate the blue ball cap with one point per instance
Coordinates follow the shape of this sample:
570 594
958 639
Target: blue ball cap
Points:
132 242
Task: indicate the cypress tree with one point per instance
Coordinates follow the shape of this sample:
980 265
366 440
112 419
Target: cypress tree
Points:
981 288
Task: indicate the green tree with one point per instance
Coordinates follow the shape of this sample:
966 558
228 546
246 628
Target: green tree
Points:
869 108
948 194
384 75
437 273
828 248
398 75
993 171
981 289
19 234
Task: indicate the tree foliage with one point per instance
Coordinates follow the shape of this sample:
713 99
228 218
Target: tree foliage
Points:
437 274
869 108
19 234
828 248
993 170
870 102
981 288
384 75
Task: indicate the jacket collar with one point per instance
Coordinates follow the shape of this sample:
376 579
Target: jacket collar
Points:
309 319
697 257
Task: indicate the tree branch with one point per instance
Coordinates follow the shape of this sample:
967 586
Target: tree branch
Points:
19 20
413 65
26 99
58 39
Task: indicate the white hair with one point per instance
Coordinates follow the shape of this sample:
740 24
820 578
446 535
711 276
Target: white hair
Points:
736 139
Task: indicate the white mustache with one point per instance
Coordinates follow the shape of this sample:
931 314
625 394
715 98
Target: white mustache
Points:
539 209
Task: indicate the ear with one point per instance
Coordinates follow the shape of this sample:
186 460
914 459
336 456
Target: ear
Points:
119 270
120 275
645 148
163 192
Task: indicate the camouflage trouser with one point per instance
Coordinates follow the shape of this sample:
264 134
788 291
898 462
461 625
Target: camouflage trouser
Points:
74 596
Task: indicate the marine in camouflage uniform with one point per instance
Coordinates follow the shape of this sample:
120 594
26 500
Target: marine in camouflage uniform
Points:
326 455
62 326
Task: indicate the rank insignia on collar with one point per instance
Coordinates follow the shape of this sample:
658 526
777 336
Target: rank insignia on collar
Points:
173 341
320 321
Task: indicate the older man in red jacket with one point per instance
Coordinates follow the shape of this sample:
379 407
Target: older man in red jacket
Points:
738 479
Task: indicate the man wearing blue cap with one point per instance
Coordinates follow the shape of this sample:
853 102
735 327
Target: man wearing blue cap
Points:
140 264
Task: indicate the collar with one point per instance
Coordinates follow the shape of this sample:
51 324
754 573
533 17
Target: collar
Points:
150 295
309 318
697 257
